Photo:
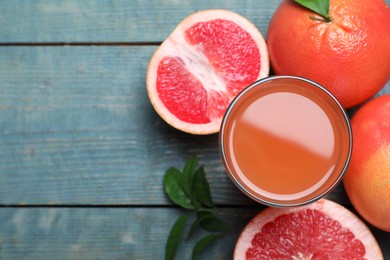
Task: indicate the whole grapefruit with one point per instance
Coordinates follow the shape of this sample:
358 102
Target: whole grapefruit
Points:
350 55
321 230
367 180
204 63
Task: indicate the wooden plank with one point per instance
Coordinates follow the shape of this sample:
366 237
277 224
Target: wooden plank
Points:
76 127
112 21
108 233
99 233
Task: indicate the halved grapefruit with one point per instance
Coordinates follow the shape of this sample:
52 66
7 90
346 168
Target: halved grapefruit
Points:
205 62
321 230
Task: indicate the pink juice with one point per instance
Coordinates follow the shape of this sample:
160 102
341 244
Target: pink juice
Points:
285 141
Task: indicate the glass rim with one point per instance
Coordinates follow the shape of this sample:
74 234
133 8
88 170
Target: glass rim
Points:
236 180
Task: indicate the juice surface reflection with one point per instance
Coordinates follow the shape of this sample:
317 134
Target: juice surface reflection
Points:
283 142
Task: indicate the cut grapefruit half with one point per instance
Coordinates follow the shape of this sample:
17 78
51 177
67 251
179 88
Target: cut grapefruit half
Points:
321 230
206 61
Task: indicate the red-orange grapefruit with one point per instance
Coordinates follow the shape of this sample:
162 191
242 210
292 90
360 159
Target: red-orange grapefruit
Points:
321 230
367 180
350 55
205 62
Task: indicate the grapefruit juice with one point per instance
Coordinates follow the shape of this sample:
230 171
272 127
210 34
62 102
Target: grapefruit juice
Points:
285 141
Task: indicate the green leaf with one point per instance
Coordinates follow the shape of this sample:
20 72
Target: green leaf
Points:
321 7
188 176
203 243
200 217
201 188
193 228
191 164
174 189
210 222
174 238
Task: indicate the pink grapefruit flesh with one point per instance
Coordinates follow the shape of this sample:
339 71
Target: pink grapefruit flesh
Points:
321 230
205 62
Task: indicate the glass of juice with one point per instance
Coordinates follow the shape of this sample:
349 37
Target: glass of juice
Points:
285 141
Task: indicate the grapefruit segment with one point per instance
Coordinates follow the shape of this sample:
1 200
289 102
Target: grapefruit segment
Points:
321 230
205 62
186 98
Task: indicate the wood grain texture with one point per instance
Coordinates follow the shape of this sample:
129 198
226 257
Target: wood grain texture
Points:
101 233
77 127
112 21
120 21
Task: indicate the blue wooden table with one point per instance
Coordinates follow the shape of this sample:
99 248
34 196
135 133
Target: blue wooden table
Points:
82 152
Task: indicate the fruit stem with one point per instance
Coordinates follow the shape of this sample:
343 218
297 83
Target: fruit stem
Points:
322 19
